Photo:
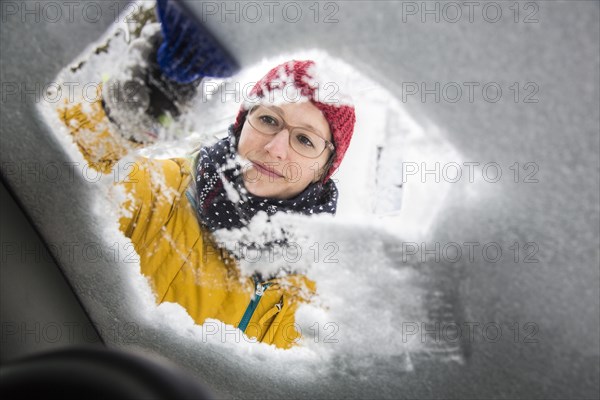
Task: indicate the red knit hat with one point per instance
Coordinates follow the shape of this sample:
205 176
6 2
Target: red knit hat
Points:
301 76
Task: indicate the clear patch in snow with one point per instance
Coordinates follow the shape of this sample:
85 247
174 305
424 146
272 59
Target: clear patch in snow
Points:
366 292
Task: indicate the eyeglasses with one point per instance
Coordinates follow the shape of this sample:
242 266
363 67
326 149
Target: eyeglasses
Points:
304 141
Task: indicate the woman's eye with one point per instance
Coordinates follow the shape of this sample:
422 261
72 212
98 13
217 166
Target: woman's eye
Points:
268 120
304 140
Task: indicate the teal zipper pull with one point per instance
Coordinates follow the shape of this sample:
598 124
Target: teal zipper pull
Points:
258 292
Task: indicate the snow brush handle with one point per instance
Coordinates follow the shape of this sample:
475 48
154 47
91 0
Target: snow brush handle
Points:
189 52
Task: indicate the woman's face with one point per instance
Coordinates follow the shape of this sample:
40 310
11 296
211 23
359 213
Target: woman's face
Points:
276 170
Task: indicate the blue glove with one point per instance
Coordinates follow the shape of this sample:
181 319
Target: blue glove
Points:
189 51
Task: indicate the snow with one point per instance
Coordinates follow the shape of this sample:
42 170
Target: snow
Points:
371 209
560 212
556 133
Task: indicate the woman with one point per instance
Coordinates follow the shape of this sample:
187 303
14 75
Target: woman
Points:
278 157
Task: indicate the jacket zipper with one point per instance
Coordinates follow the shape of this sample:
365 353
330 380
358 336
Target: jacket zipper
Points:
259 290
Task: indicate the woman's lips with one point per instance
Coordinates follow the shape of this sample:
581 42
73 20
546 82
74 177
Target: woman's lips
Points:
269 171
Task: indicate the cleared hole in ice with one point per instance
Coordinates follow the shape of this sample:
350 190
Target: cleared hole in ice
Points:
368 292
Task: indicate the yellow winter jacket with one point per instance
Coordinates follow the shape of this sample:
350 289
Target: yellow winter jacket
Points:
178 255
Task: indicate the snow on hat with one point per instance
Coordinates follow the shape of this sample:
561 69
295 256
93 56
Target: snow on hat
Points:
299 80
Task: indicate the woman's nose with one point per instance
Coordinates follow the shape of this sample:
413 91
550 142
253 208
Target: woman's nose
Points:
278 145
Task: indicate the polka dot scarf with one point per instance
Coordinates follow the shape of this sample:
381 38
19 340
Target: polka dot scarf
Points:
223 202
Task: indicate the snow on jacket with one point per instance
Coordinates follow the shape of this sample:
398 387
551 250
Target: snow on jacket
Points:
178 255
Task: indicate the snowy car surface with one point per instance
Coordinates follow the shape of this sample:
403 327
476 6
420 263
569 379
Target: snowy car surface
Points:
467 249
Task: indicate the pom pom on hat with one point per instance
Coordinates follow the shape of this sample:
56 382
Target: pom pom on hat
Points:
302 77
